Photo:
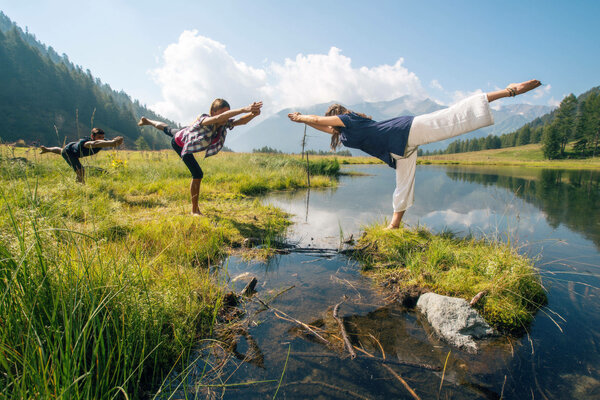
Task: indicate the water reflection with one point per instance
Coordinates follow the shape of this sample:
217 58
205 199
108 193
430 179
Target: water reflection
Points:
569 197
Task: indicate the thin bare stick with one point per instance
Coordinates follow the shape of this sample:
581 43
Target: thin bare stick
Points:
443 374
281 292
305 326
343 329
379 344
307 164
308 328
412 392
374 359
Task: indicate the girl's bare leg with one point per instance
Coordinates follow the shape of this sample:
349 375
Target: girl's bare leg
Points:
195 192
55 150
157 124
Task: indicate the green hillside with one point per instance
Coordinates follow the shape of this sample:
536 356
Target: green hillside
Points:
47 99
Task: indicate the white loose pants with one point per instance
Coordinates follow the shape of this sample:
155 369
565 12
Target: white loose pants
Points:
465 116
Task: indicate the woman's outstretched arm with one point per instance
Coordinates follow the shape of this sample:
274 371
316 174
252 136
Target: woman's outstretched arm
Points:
314 120
322 128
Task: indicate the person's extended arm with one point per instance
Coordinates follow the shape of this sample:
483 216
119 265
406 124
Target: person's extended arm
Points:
94 144
322 128
245 119
225 116
314 120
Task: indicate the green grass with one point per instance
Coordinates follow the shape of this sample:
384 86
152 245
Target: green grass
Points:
106 286
529 155
460 267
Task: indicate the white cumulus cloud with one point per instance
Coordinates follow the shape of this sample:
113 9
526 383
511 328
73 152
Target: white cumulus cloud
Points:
196 69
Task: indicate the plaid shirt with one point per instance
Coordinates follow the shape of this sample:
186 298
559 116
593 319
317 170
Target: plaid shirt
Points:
198 137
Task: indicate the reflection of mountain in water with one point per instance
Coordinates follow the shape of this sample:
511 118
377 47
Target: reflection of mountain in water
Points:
569 197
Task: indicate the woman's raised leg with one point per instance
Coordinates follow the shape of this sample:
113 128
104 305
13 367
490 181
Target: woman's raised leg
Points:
465 116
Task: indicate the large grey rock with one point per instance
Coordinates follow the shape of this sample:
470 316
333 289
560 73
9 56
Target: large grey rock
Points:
454 320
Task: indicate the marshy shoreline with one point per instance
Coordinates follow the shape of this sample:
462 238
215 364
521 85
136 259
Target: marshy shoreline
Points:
119 263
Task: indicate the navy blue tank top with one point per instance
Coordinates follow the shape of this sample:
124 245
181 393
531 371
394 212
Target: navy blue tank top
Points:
378 139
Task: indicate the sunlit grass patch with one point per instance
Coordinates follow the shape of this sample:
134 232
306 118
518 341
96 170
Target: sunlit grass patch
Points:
107 286
460 267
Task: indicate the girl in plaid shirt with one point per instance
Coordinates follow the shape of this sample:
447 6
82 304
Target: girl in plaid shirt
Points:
208 134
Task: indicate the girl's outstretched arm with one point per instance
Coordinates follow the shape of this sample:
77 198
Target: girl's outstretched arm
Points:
246 118
225 116
316 120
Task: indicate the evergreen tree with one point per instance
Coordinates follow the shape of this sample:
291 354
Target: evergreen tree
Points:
551 142
564 122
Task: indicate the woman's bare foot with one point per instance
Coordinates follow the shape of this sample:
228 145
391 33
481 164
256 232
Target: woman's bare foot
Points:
44 150
143 121
523 87
391 226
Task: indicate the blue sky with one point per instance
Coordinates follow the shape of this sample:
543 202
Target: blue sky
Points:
175 56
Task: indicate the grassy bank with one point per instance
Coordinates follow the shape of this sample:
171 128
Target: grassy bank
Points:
409 260
529 155
105 286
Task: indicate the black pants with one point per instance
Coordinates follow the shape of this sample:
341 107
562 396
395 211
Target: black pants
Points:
189 160
72 159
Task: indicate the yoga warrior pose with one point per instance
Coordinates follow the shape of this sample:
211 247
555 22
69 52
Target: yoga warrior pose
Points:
395 141
85 147
208 133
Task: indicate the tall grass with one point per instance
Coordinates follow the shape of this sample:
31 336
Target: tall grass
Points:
105 286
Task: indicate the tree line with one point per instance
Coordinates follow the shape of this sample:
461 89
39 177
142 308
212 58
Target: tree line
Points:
576 121
48 99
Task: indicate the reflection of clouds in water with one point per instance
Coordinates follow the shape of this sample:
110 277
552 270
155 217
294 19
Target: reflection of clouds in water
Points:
323 224
449 217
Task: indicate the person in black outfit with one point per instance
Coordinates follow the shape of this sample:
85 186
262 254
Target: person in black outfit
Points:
85 147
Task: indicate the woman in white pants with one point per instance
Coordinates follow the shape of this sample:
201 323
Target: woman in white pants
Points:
395 141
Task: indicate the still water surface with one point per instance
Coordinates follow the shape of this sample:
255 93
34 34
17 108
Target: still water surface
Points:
549 214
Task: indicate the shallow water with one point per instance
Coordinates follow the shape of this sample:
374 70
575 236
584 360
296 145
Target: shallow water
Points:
552 215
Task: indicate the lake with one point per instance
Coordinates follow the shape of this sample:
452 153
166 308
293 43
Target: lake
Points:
551 215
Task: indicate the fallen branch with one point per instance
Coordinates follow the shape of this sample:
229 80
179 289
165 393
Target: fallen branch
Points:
412 392
343 329
249 289
305 326
371 358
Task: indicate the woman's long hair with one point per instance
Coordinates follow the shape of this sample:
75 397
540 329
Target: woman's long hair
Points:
338 109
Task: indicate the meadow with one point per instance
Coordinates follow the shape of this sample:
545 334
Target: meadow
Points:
107 286
529 155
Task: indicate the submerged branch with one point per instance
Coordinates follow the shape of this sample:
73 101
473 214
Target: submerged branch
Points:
343 329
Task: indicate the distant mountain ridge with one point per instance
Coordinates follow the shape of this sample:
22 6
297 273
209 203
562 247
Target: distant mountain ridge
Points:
277 131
